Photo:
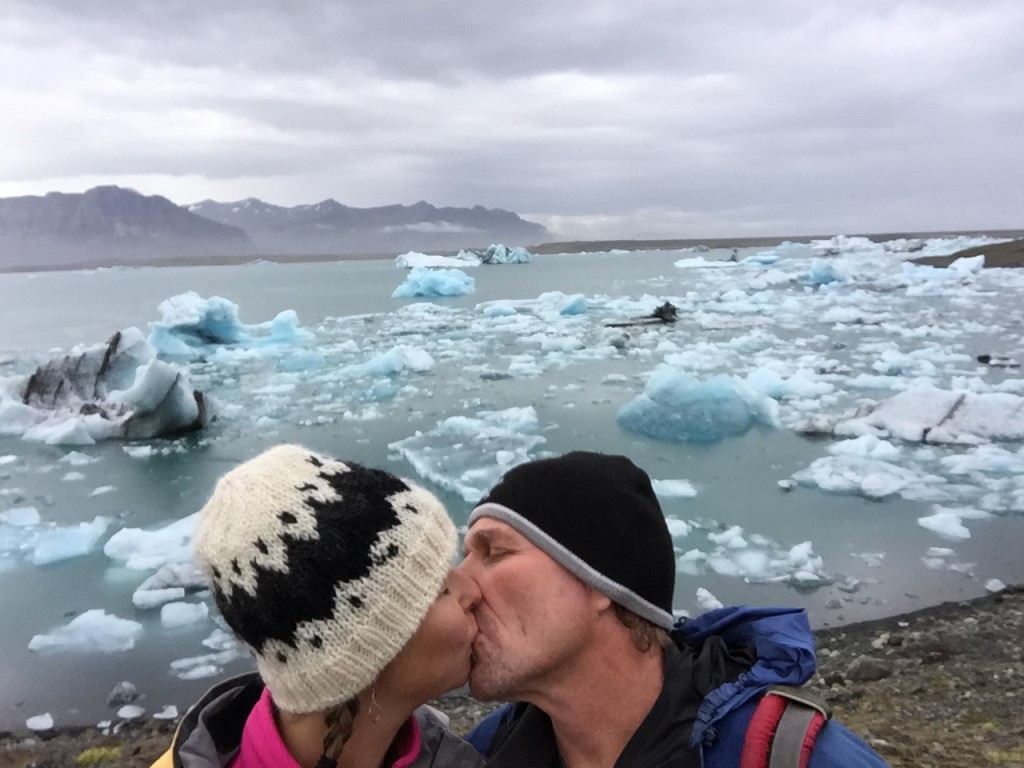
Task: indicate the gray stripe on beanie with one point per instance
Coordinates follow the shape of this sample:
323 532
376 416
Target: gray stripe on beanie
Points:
566 558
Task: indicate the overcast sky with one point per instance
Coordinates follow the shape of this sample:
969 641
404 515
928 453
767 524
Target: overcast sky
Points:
598 118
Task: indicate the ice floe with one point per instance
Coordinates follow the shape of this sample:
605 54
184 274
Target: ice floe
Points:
422 281
94 630
113 390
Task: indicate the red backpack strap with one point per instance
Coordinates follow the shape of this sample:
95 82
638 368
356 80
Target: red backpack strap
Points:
782 731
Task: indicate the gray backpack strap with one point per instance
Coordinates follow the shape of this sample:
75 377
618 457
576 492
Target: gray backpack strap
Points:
803 709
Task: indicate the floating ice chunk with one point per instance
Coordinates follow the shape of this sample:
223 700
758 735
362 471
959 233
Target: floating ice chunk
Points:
169 712
573 305
414 259
948 523
674 488
988 459
857 474
206 665
192 327
549 305
394 361
173 615
154 598
78 459
112 390
64 542
139 451
708 601
8 459
731 538
434 282
146 550
678 408
994 585
799 383
16 418
868 446
95 630
678 528
21 517
102 490
461 453
40 723
822 272
500 254
925 413
302 360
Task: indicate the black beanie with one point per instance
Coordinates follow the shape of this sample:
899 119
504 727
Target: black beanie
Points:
597 516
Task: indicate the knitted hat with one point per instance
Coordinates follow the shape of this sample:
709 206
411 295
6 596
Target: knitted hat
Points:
324 569
597 516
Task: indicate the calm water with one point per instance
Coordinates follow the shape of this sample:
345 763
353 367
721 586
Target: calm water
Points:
872 548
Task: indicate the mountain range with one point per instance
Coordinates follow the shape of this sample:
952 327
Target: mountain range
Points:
114 225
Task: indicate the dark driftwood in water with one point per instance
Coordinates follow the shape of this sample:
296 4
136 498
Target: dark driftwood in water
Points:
666 313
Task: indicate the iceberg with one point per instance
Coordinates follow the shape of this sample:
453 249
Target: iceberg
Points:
677 408
422 281
926 414
67 541
391 363
413 259
192 327
147 550
117 390
95 630
501 254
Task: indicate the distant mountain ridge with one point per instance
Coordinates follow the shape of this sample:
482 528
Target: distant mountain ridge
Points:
330 227
113 225
107 223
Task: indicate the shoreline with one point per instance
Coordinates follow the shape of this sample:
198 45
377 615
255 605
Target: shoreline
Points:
942 686
551 248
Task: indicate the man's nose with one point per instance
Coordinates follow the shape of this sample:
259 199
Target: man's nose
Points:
466 589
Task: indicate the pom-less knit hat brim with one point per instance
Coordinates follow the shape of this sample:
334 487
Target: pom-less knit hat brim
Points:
597 516
324 569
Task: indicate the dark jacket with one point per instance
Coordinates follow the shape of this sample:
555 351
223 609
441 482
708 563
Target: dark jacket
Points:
210 733
724 662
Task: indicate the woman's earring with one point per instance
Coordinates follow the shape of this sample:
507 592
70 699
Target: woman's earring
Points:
375 710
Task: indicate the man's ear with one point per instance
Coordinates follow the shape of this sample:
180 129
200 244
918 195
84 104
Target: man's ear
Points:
599 602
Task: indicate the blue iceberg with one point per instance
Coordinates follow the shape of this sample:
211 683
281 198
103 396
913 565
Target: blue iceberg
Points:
501 254
423 281
677 408
191 327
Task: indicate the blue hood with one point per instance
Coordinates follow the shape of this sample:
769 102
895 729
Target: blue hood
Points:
783 644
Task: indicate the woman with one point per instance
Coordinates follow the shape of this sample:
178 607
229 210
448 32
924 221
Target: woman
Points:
337 577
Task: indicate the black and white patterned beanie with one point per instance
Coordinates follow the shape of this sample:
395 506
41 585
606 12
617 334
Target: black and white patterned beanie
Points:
597 516
324 569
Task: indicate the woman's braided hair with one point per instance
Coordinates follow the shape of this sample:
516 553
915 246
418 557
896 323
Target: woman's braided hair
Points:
339 721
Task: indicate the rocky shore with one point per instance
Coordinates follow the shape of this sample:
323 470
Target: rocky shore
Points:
942 687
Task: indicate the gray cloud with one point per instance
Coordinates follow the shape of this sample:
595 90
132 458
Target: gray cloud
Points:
601 119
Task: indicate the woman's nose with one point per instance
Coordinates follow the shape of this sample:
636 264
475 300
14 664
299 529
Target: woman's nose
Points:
466 590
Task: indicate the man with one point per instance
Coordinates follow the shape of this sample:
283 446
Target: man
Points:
576 571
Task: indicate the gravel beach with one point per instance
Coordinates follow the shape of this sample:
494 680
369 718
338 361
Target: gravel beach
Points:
942 687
